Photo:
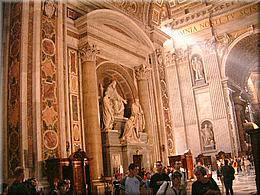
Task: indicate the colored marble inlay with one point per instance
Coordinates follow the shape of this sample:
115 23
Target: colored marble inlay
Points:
49 91
13 101
75 115
29 87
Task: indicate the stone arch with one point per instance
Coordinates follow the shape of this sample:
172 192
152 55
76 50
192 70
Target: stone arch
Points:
241 58
119 22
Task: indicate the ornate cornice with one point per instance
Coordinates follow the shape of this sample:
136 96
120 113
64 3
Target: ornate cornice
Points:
88 52
142 72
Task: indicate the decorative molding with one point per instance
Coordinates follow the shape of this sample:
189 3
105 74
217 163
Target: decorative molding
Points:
165 104
187 25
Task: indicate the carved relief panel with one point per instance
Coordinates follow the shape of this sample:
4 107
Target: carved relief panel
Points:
165 103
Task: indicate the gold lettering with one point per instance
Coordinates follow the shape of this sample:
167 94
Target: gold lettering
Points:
230 16
245 12
219 20
202 26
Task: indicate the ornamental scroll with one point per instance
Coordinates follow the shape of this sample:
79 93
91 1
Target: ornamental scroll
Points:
165 101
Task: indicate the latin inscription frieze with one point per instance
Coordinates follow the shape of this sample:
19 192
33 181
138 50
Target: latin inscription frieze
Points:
220 20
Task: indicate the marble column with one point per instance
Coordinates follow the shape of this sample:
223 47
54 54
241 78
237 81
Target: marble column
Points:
143 73
91 111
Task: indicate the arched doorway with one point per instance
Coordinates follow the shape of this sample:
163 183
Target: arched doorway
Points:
242 72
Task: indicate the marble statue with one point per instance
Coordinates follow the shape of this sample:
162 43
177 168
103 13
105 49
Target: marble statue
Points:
130 132
197 67
108 113
117 101
207 135
138 114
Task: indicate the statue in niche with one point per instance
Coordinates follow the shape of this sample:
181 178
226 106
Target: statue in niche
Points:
138 114
135 124
130 132
197 66
207 135
117 101
108 113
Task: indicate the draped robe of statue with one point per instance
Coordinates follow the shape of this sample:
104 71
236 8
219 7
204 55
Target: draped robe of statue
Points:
138 114
130 134
207 136
117 101
108 113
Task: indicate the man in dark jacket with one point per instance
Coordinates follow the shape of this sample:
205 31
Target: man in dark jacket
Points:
158 178
228 174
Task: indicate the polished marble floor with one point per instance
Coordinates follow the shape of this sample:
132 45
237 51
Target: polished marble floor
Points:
244 184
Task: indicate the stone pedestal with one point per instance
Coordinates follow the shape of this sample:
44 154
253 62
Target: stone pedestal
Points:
118 154
112 152
142 149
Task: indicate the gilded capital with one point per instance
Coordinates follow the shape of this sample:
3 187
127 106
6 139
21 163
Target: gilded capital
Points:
142 72
88 52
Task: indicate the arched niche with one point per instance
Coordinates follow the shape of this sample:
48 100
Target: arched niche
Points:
107 72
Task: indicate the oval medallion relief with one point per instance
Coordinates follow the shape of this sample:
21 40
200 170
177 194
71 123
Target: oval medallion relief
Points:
50 139
48 47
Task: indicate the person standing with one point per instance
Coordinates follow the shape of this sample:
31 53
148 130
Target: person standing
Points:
228 175
178 168
158 178
18 186
132 183
175 189
203 185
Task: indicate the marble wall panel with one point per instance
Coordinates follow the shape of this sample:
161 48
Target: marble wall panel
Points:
203 103
222 137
